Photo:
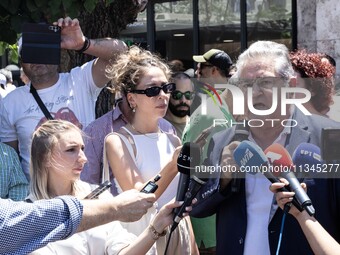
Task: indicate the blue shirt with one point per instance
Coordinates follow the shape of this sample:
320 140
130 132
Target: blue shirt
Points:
13 182
25 227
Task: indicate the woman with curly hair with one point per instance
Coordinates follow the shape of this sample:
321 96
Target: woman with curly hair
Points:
316 76
140 150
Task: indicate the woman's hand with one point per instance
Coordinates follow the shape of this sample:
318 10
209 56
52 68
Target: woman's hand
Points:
284 197
164 217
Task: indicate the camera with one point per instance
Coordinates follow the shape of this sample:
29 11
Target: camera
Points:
40 44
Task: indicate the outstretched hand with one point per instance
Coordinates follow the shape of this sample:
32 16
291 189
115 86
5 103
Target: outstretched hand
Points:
164 217
133 205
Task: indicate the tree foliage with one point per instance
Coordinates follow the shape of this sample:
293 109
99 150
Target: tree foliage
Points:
98 19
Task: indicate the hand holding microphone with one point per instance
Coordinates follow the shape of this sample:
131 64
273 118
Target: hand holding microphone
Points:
285 197
188 158
251 157
279 156
189 184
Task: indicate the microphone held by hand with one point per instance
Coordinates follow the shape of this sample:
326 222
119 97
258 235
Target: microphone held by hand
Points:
194 186
188 158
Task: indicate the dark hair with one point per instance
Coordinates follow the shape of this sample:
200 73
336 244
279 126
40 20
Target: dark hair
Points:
310 65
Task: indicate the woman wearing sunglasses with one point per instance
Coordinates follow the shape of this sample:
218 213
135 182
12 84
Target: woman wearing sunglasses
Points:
140 150
57 159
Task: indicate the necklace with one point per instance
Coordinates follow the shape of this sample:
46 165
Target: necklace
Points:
150 135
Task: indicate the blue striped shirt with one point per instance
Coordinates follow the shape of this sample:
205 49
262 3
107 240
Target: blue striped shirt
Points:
25 227
13 182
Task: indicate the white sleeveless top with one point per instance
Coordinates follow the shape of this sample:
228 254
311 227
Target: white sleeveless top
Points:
153 152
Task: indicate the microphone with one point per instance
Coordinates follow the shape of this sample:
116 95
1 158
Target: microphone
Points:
194 186
251 156
188 158
241 134
279 156
306 155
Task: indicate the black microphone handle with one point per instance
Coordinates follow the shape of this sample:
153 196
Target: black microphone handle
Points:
194 186
274 179
300 195
182 188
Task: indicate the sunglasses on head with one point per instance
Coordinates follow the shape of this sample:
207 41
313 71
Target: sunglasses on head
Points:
155 90
177 95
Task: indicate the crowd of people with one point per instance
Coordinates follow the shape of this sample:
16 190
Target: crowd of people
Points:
53 152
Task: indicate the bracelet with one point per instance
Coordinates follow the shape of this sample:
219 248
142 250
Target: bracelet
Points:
86 45
155 234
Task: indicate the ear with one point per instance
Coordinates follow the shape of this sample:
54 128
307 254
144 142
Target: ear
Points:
131 100
214 70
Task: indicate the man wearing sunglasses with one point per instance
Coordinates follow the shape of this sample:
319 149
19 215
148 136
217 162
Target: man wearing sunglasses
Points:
180 101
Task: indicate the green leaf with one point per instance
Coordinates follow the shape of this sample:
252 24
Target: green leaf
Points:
108 2
11 6
31 5
74 9
67 4
90 5
41 3
17 21
2 48
54 5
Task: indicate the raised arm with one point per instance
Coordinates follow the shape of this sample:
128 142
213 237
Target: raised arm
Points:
126 172
28 226
105 49
321 242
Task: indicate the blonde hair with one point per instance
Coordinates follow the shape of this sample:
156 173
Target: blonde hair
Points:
44 140
130 67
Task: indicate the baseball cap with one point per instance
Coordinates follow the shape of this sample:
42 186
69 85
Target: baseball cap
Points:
215 57
3 80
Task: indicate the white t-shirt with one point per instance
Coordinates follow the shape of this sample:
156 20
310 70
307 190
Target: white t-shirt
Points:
72 98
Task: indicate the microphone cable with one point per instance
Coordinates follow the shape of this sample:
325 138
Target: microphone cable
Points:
285 212
168 241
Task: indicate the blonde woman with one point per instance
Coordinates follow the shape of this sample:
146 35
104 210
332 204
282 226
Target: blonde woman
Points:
140 150
57 159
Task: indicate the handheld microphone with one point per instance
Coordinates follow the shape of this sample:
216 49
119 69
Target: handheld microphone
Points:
250 155
279 156
241 134
194 186
306 155
188 158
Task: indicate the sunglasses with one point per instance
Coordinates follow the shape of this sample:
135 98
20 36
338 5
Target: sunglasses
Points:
154 91
177 95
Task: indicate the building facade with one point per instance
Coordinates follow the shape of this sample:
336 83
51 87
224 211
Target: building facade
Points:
180 29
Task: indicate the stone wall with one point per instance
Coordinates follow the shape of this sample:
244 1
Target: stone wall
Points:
318 27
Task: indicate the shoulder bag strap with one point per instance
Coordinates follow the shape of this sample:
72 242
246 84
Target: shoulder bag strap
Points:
40 103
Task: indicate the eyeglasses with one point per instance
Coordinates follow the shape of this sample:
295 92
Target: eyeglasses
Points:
177 95
262 83
155 90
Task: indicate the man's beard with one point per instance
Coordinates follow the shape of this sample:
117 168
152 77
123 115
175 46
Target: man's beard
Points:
179 113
